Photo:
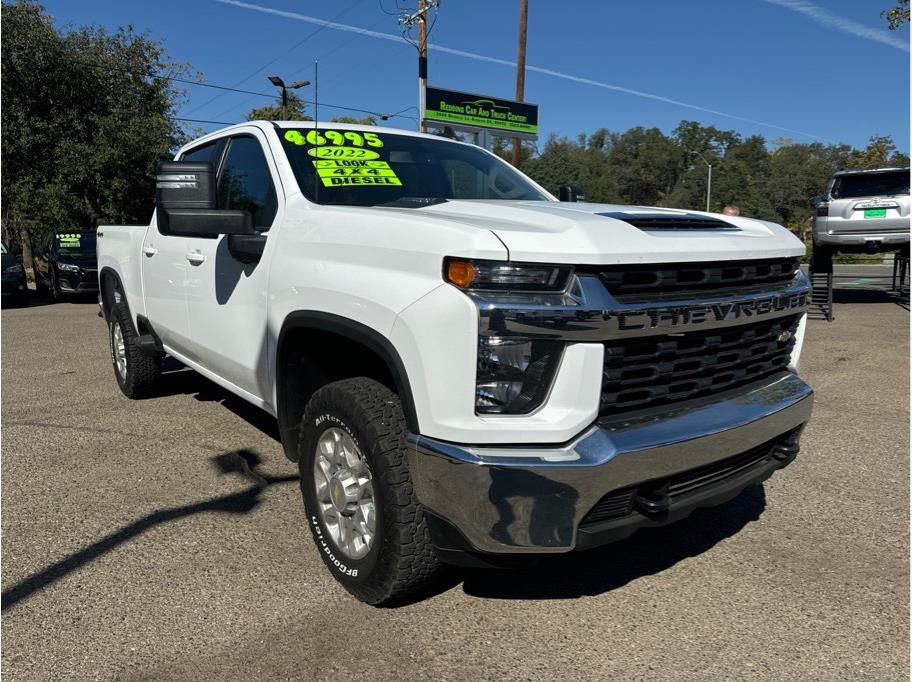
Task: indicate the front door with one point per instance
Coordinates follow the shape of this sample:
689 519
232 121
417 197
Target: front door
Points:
227 299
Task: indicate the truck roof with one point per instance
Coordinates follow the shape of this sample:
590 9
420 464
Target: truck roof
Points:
865 171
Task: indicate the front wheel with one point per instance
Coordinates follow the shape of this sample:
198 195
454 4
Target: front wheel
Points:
54 288
368 527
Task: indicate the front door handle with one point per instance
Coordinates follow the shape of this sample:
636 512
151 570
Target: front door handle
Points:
150 250
195 258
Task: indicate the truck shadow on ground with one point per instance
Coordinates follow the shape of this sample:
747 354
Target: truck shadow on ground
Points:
177 379
243 462
601 570
860 295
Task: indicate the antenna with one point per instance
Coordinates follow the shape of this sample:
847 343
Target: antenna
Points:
317 179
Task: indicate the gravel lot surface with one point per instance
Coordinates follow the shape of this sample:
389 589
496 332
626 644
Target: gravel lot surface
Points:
164 539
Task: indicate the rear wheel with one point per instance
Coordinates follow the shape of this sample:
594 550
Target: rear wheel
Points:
136 371
368 527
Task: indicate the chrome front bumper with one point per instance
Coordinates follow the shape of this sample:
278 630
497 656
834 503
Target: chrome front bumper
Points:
526 499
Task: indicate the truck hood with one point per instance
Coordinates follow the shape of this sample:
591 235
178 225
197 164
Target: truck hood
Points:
580 233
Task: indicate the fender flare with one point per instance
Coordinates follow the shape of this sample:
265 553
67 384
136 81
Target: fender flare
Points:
102 274
355 331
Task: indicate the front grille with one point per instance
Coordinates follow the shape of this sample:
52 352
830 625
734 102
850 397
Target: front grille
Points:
658 370
677 281
674 489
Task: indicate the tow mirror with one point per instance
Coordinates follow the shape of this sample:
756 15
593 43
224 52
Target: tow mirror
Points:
571 193
185 203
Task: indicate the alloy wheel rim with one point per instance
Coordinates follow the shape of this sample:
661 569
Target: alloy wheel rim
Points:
120 350
345 494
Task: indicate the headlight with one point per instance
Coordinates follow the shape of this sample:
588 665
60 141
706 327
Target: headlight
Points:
490 275
12 269
513 374
67 267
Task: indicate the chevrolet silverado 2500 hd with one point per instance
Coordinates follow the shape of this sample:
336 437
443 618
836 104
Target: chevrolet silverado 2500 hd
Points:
465 369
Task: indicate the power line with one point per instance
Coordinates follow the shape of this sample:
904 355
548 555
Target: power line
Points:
226 88
273 61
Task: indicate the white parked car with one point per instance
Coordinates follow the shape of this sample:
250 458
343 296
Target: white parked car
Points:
465 369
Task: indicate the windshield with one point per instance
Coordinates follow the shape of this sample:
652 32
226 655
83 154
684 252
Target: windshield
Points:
346 167
75 243
871 185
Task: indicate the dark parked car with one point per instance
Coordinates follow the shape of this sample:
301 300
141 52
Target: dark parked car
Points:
15 289
67 264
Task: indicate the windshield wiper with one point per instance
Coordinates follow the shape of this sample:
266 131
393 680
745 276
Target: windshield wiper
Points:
414 202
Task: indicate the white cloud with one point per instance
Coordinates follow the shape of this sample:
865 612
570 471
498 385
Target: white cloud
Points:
505 62
826 18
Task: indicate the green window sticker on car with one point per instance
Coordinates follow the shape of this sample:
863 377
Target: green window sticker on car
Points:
69 240
345 158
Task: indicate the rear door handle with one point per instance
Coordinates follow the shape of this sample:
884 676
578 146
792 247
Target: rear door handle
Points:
196 258
150 250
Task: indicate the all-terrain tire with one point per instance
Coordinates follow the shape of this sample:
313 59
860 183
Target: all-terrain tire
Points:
142 370
401 561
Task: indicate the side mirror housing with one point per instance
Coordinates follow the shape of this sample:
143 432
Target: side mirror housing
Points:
184 184
185 203
571 193
204 222
816 200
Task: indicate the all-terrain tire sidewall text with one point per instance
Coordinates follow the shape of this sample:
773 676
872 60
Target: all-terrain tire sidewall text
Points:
401 561
354 570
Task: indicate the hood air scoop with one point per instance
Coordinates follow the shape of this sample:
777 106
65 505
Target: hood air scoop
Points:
671 221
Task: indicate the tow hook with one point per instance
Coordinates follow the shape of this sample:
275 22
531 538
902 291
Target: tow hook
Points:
653 501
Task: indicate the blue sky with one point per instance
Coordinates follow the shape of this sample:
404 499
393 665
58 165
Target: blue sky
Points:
826 70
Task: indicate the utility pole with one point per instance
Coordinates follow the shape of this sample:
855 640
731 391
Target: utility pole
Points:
422 60
520 71
709 178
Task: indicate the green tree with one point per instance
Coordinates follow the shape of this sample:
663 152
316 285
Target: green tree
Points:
366 121
898 15
293 111
84 123
880 152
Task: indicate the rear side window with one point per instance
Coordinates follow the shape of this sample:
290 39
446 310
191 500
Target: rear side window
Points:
871 185
245 182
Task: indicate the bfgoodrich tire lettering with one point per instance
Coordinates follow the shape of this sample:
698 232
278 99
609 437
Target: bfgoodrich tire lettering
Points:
401 560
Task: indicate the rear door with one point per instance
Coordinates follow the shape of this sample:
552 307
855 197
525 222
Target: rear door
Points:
227 299
165 267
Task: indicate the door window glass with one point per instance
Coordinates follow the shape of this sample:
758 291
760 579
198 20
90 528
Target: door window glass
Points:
245 182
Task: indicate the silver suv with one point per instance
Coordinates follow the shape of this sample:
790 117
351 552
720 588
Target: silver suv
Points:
864 210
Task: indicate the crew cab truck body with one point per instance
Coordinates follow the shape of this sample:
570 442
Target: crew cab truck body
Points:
465 369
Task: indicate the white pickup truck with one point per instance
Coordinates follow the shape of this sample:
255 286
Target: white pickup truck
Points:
465 369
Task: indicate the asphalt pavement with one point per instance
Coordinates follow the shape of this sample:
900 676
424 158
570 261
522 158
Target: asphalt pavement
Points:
164 539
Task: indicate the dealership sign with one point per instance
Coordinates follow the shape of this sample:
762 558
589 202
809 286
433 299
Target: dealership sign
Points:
466 111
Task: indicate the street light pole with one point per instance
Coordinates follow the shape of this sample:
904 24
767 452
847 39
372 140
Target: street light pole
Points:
709 178
279 83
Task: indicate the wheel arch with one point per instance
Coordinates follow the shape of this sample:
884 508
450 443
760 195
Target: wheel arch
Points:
109 281
307 344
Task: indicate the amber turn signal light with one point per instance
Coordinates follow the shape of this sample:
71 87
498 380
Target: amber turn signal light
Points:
460 273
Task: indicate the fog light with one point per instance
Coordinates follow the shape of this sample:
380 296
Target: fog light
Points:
514 374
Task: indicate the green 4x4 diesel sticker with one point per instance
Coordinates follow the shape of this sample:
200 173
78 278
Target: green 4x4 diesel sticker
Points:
343 158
